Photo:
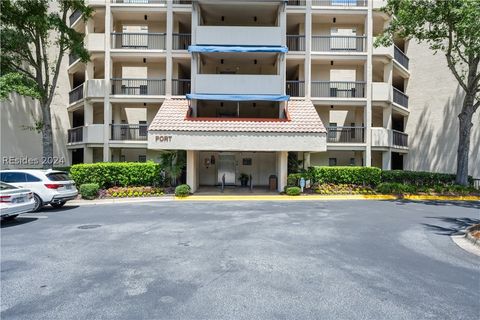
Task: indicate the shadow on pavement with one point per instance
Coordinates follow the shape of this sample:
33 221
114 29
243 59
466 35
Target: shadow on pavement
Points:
456 225
15 222
463 204
50 209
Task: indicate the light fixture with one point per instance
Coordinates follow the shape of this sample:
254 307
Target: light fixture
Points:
221 104
255 18
254 104
144 104
255 61
223 18
331 63
221 61
145 17
144 60
331 106
334 19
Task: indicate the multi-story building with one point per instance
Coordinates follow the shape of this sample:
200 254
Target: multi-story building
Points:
243 85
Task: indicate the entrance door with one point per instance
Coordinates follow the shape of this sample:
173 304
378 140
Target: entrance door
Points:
226 165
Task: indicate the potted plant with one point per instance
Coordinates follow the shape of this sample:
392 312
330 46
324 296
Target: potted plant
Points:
243 179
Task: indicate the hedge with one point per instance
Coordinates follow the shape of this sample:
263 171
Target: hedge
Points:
89 191
293 191
419 178
107 174
370 176
182 190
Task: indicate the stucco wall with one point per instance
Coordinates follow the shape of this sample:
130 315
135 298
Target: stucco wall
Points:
435 100
21 112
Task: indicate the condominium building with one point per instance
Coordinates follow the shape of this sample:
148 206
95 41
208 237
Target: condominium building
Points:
244 86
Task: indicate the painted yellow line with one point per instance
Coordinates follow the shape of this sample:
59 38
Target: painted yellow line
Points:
323 197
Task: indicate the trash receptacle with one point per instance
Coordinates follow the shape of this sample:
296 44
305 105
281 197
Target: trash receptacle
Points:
272 182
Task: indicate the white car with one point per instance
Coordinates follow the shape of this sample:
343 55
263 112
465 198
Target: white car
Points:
14 201
48 186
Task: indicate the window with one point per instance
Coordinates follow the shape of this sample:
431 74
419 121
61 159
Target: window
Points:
31 178
332 162
13 177
142 128
247 161
352 161
58 176
142 158
332 132
352 131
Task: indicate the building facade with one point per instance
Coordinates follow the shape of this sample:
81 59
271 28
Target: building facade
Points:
243 85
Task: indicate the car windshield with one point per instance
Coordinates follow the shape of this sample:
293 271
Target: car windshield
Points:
58 176
5 186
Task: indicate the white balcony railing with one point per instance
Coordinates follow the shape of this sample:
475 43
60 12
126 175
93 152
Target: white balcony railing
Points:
241 36
238 84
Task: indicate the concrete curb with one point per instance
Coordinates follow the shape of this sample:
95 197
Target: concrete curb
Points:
119 200
472 239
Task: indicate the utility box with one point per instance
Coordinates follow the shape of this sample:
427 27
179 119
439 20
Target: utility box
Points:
273 182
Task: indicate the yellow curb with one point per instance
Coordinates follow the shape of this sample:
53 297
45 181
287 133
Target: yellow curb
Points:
284 198
441 198
323 197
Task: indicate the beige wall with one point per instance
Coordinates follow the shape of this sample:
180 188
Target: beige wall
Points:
434 102
22 112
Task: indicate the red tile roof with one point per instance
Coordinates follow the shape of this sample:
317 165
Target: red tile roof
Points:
303 118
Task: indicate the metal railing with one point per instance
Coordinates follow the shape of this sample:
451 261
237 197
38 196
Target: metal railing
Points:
338 43
338 89
346 134
295 42
140 1
400 97
135 132
296 2
136 87
74 16
400 56
180 87
182 1
295 88
399 139
75 135
140 41
76 94
340 3
181 41
72 58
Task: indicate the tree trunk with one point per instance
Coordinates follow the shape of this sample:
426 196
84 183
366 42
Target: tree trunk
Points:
463 151
47 138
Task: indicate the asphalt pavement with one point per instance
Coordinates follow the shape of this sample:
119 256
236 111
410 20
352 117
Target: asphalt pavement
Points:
247 260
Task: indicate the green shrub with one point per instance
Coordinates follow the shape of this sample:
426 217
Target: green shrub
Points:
89 191
342 189
107 174
395 188
346 175
182 190
419 178
293 191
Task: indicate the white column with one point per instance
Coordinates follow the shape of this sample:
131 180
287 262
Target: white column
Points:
282 169
386 160
107 106
192 168
87 155
88 113
169 61
387 117
308 49
369 72
306 160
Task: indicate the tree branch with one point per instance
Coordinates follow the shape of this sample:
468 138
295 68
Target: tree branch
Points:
450 62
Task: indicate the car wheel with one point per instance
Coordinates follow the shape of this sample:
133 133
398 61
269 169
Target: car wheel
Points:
58 204
38 203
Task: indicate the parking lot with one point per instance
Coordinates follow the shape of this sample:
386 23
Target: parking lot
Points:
248 260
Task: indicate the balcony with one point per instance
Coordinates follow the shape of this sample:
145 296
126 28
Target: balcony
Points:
338 43
94 88
346 134
131 132
296 3
296 42
400 57
400 98
139 41
339 3
338 89
72 58
76 94
74 17
238 36
181 41
399 139
238 84
295 88
138 87
75 135
180 87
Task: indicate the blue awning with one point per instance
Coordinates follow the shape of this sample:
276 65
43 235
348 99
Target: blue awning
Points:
238 97
282 49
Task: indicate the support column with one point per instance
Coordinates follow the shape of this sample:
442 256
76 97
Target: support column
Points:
282 169
192 168
87 155
369 73
306 160
308 50
88 113
169 60
107 106
387 160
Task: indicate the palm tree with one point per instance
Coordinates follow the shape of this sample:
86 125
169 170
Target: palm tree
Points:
173 163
